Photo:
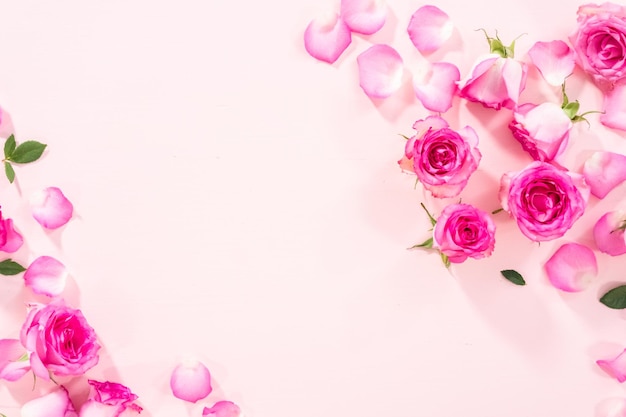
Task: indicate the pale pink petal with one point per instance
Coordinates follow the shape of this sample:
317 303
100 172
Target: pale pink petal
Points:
572 267
55 404
364 16
51 208
222 409
191 381
615 108
380 71
514 76
94 408
46 276
613 407
604 171
555 60
439 87
609 234
615 367
326 38
429 28
14 240
11 368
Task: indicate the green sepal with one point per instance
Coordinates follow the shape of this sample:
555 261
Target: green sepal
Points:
571 109
28 151
615 298
8 170
10 267
430 216
513 276
427 244
404 136
9 146
24 357
497 47
445 260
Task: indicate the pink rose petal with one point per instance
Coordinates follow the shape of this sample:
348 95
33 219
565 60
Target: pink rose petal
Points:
12 239
613 407
11 368
222 409
364 16
439 87
429 28
604 171
191 381
380 71
51 208
615 367
615 108
572 267
326 38
609 234
555 60
46 276
55 404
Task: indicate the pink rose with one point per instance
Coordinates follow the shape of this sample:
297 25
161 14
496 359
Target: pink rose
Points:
542 130
59 340
442 158
10 239
109 399
544 200
464 231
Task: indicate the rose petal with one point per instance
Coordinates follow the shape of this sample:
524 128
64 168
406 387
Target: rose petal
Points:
326 38
439 87
96 409
604 171
572 267
429 28
609 236
46 276
615 108
191 381
14 240
222 409
554 60
364 16
380 71
51 208
613 407
55 404
615 367
11 368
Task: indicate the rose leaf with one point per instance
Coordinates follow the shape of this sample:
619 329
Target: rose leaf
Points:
615 298
513 276
10 267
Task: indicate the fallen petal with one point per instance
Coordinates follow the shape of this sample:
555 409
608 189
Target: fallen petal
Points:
222 409
326 38
380 71
615 367
429 28
609 234
614 407
438 88
364 16
46 276
51 208
55 404
604 171
572 267
11 367
554 60
615 108
12 239
191 381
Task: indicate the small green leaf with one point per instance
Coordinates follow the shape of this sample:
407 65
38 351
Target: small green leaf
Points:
615 298
10 267
427 244
513 276
9 146
571 109
8 169
28 151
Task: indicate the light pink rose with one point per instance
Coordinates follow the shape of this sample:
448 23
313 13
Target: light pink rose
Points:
464 231
109 399
442 159
542 130
544 200
59 340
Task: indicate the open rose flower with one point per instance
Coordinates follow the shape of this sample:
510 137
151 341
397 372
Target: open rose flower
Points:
463 231
59 340
109 399
442 159
544 200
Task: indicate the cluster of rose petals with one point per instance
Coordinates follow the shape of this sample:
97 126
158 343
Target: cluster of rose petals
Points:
443 159
608 233
109 399
191 381
463 231
46 276
10 239
572 267
51 208
604 171
222 409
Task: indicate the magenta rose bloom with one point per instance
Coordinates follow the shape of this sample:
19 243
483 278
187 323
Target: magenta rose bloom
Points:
442 159
463 231
544 200
109 399
59 340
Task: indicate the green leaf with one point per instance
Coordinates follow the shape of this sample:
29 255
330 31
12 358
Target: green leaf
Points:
8 169
28 151
9 146
513 276
615 298
427 244
571 109
9 267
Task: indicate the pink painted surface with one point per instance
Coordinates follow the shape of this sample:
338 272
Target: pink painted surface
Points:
239 202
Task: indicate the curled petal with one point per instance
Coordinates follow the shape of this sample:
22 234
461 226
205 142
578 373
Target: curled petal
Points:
380 71
222 409
615 367
364 16
46 276
439 87
429 28
615 108
11 367
609 234
604 171
12 239
572 267
55 404
191 381
51 208
326 38
555 60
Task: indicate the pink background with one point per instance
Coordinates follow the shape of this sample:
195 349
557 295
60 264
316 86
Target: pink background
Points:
239 202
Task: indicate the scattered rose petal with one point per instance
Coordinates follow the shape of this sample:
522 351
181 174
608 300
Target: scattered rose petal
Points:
572 267
608 233
46 276
55 404
11 367
326 38
191 381
554 60
380 71
439 87
613 407
604 171
51 208
615 108
615 367
364 16
222 409
10 239
429 28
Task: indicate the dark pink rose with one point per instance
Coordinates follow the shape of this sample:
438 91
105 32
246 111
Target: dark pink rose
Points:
10 239
442 159
109 399
59 340
544 200
463 231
